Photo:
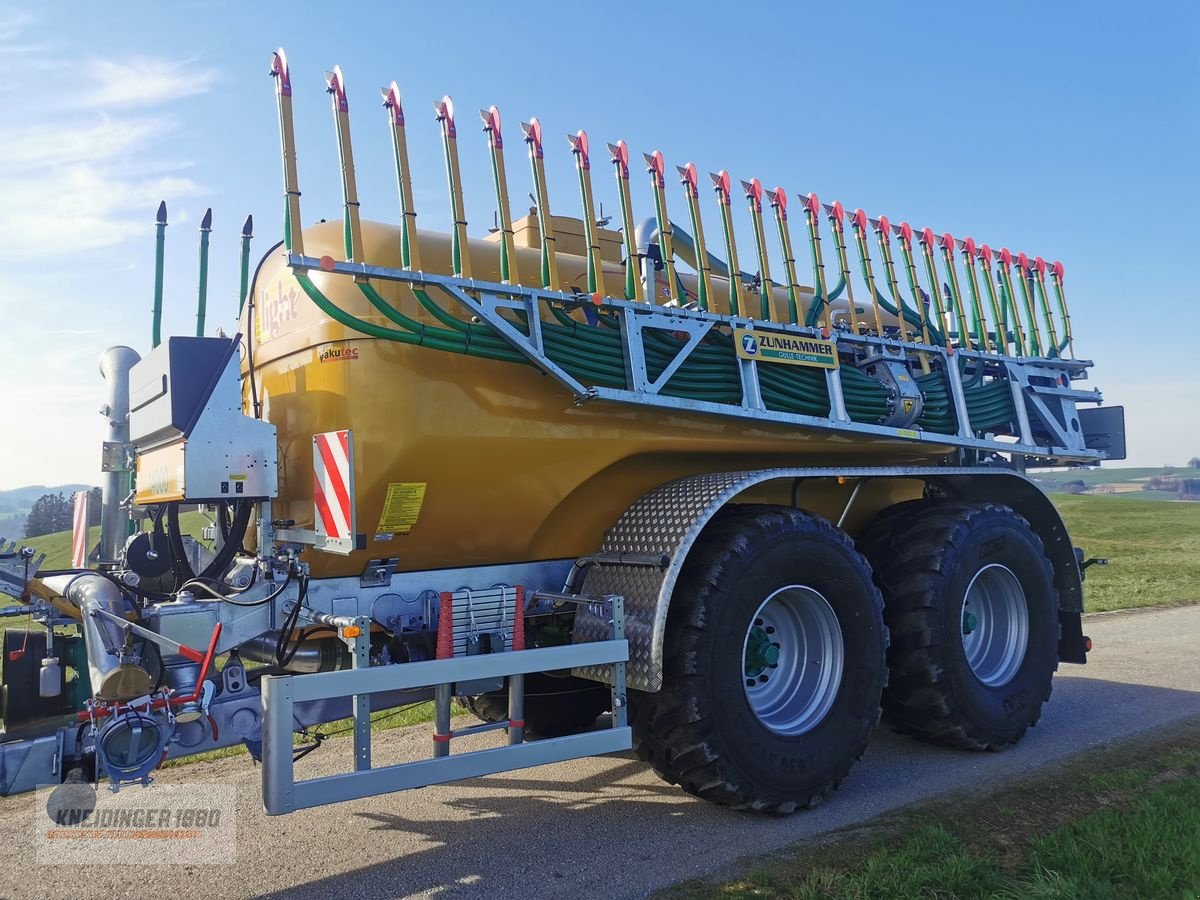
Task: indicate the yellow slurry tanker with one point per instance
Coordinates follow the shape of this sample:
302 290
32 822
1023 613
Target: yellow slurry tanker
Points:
605 486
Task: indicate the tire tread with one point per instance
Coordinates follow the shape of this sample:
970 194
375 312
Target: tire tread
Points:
906 546
668 731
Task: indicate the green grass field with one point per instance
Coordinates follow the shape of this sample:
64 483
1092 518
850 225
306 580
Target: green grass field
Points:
1153 548
1118 822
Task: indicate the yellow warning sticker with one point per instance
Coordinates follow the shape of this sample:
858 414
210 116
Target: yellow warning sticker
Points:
401 507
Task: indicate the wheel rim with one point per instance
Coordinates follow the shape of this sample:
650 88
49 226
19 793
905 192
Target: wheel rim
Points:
995 625
793 658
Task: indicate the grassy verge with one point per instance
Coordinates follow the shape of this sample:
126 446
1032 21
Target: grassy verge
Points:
1152 547
1121 822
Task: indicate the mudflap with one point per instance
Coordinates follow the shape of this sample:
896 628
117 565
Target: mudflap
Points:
1072 645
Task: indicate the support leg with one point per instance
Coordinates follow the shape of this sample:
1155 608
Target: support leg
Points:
516 709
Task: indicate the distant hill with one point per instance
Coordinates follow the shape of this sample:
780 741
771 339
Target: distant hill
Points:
1130 482
18 501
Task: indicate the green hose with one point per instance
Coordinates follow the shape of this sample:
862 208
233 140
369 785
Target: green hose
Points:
595 354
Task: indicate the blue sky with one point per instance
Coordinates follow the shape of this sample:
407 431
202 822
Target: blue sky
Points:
1067 130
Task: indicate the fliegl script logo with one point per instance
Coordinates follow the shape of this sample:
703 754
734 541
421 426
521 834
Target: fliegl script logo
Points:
275 311
337 354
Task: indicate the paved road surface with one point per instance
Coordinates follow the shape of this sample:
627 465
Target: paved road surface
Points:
607 827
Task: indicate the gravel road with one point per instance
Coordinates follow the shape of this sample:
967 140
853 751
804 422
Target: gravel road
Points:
604 827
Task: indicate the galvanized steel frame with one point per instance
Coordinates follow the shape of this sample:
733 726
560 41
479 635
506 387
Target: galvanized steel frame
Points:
486 300
282 793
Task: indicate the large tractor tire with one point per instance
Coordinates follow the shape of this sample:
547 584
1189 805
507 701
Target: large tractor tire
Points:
970 601
773 663
553 706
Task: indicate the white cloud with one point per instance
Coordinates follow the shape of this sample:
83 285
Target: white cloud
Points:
82 210
145 82
81 169
92 179
77 192
13 23
47 144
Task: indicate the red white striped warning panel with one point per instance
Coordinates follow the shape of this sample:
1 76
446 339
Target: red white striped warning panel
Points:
79 531
333 491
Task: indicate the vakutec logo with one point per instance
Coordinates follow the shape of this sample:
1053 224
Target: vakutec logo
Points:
749 345
338 354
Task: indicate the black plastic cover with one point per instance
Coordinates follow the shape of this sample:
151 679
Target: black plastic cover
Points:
1104 429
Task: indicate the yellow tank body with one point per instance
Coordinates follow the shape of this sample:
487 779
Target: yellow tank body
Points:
512 469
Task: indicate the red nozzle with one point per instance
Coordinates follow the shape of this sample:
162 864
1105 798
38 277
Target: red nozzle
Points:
883 226
837 212
754 193
657 165
946 242
1039 266
620 157
1005 257
779 201
445 113
533 136
905 233
860 220
968 248
985 253
927 237
579 144
391 99
279 70
1023 262
722 184
1057 268
812 203
335 83
689 176
491 124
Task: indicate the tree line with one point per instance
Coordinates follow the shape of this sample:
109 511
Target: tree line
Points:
55 512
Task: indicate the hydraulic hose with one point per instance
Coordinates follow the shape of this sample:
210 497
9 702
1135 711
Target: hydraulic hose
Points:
220 562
